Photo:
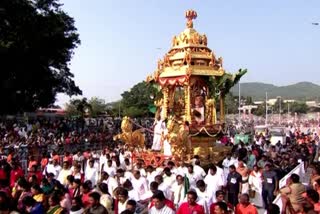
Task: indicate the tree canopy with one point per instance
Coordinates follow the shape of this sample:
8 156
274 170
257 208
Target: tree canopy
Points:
298 107
37 40
137 101
78 108
97 106
231 104
227 81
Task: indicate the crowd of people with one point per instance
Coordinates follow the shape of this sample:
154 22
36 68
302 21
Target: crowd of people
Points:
109 181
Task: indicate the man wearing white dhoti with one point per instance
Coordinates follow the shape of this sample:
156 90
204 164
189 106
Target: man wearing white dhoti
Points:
214 181
226 163
91 173
255 182
159 127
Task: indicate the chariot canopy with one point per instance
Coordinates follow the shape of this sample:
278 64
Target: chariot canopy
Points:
184 75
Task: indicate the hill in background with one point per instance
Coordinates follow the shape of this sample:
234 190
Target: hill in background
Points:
300 91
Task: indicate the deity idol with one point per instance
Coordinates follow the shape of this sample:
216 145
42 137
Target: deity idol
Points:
198 110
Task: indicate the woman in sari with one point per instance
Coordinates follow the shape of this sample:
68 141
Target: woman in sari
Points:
75 191
23 186
106 200
37 193
54 203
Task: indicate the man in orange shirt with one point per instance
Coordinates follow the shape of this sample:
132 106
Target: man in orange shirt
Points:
245 207
32 162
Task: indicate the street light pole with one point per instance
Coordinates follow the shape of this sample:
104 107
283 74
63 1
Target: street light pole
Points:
239 104
266 108
288 110
280 112
279 97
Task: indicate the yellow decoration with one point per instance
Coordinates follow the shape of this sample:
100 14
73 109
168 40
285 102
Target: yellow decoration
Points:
178 138
132 139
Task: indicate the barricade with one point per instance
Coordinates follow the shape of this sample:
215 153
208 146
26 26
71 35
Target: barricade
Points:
299 170
23 152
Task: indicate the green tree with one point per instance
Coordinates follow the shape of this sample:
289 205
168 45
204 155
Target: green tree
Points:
113 109
97 106
261 110
277 106
224 85
231 104
78 108
134 111
249 101
37 41
136 101
299 107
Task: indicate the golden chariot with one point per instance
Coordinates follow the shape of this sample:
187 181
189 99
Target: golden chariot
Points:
192 83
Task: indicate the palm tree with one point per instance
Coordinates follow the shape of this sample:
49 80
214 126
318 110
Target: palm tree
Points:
224 85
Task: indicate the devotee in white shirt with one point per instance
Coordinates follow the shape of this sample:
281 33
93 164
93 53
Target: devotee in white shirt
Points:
172 167
128 175
204 194
127 165
221 174
178 191
141 169
181 169
110 181
122 176
168 177
52 167
123 197
109 168
198 169
234 160
159 169
121 156
102 160
132 193
63 174
78 157
163 187
145 198
159 127
128 153
139 183
91 173
226 163
151 174
193 177
159 205
214 181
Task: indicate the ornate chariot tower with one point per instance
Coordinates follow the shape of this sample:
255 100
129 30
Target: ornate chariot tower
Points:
187 75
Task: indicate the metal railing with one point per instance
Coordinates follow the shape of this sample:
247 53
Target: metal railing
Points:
24 152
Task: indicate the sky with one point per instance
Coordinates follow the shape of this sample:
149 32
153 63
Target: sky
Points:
122 40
